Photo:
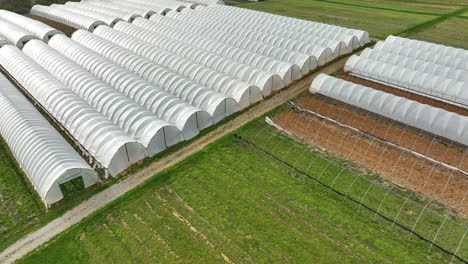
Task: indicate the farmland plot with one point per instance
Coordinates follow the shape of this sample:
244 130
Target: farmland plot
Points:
232 203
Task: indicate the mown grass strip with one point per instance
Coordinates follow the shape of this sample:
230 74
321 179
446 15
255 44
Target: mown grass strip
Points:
429 24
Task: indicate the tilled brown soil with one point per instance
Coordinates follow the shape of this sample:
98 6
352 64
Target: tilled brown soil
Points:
403 93
418 174
57 25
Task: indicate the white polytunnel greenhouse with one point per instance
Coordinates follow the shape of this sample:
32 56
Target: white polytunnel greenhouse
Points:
266 73
416 81
353 38
148 129
434 120
322 53
132 10
36 28
217 105
108 20
205 2
171 5
304 61
14 34
42 153
244 93
256 30
110 147
3 41
427 52
188 119
428 47
117 13
416 64
71 19
143 9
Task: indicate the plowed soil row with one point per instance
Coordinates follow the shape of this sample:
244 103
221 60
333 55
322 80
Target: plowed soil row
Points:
421 175
403 93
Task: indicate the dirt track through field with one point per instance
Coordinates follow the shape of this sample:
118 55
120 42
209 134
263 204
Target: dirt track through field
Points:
420 175
37 238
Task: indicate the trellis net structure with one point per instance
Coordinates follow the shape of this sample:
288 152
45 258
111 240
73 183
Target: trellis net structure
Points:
342 150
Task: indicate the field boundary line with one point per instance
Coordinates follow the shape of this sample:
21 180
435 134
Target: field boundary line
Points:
394 222
431 23
381 8
39 237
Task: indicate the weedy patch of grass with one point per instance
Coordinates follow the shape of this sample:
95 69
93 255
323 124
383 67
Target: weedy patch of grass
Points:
231 202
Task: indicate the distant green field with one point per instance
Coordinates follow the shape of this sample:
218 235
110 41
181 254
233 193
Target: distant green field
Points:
19 204
453 32
379 23
232 203
379 17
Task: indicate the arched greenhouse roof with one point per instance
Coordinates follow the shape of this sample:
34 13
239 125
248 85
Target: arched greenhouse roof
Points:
43 154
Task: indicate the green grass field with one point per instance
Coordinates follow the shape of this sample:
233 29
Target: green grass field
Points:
452 32
20 206
379 17
232 203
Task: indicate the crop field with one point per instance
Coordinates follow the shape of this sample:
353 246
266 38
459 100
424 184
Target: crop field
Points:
233 203
380 17
19 204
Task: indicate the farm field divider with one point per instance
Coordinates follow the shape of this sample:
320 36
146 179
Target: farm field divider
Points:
399 207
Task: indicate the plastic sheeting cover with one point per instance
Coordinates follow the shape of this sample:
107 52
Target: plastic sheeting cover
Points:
262 71
126 114
417 81
66 17
216 104
44 155
434 120
38 29
163 104
109 145
14 34
244 93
